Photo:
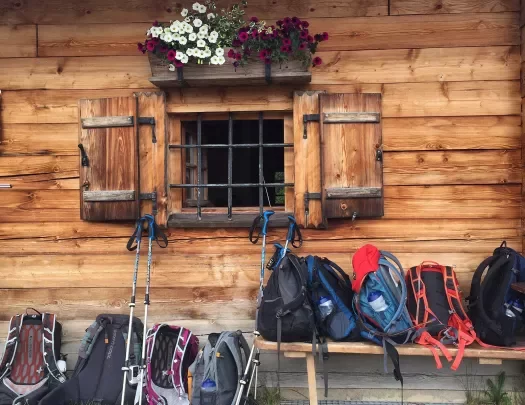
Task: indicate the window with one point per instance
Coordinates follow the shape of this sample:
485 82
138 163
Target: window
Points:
234 168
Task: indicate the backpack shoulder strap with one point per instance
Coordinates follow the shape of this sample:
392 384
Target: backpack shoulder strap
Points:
184 341
11 344
48 346
88 342
337 269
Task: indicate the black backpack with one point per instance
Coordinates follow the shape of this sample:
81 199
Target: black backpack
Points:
97 378
494 308
285 314
326 280
29 368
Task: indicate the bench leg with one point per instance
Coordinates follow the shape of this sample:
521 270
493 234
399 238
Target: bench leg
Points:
312 387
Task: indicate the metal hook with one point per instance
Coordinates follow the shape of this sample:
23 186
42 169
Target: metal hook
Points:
354 216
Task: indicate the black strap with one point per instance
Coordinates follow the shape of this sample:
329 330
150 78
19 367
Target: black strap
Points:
244 344
391 351
256 224
279 336
297 237
137 235
33 309
334 266
160 237
323 356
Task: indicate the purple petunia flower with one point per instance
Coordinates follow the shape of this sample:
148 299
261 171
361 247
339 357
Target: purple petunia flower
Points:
171 55
231 53
287 21
303 46
263 54
303 34
317 61
305 24
279 22
287 41
254 19
155 23
238 56
243 36
296 21
318 37
141 47
325 36
150 46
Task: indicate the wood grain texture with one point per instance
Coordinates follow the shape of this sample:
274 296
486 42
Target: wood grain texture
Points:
74 73
18 41
39 139
349 155
419 31
452 133
418 65
113 159
120 11
400 7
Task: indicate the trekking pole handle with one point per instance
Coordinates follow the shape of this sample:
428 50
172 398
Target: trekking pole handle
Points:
137 235
151 226
291 228
294 234
266 220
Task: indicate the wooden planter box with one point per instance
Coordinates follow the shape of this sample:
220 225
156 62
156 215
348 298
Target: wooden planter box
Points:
255 73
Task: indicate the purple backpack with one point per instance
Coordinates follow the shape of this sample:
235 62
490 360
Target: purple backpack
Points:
170 350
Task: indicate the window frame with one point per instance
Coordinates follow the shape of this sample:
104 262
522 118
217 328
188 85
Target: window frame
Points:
217 217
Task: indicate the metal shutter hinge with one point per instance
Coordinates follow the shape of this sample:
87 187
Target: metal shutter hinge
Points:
307 198
83 154
150 196
309 118
149 121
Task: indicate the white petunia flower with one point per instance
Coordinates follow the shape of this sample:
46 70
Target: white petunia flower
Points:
202 35
192 36
214 60
167 29
214 34
185 59
171 68
187 19
184 12
179 55
161 36
154 34
213 40
196 6
168 37
189 51
183 41
207 53
204 29
197 22
201 43
175 26
221 60
202 9
210 16
219 52
188 28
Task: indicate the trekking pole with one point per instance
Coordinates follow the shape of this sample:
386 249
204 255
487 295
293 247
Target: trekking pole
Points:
293 235
136 237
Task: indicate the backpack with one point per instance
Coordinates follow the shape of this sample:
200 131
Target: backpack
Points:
222 362
435 304
495 309
28 369
379 278
170 350
285 314
326 280
97 377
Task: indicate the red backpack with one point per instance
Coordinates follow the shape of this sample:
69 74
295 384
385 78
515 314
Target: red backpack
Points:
435 305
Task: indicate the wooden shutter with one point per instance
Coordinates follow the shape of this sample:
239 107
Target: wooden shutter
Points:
341 134
109 178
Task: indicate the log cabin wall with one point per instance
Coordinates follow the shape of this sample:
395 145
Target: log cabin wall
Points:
449 74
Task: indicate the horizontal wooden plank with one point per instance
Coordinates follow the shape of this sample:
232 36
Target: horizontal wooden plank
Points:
107 122
418 65
353 192
473 351
452 167
39 139
61 181
419 31
418 229
451 99
75 73
99 11
220 270
38 165
400 7
99 246
187 303
121 195
445 133
359 117
17 41
51 106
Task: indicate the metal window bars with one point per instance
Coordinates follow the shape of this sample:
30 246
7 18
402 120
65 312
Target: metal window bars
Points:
230 146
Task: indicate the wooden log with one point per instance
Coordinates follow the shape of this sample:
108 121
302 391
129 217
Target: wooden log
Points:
418 65
451 99
400 7
98 11
17 41
452 167
74 73
39 139
50 106
419 31
445 133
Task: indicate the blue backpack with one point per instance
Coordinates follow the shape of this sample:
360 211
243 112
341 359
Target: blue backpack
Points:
380 301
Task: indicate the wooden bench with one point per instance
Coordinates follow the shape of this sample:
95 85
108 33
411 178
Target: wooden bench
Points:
304 350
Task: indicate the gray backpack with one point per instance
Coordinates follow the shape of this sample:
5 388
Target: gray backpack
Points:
218 369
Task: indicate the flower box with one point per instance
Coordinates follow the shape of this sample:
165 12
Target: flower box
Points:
255 73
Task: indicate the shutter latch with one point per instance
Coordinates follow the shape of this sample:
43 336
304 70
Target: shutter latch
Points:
307 198
309 118
150 196
83 154
379 155
149 121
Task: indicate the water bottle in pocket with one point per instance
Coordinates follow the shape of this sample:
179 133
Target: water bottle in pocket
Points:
208 392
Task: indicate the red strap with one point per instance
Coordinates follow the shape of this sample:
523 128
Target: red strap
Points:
434 345
461 351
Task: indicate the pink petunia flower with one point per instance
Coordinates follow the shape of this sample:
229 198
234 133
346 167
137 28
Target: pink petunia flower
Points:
303 46
263 54
287 41
150 46
243 36
254 19
238 56
254 34
303 34
284 48
296 21
231 53
317 61
141 47
325 36
287 20
171 55
305 24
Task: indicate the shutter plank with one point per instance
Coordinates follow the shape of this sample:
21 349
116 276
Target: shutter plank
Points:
112 154
352 177
107 122
124 195
307 161
341 117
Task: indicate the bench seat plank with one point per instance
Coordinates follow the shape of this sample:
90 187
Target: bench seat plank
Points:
472 351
